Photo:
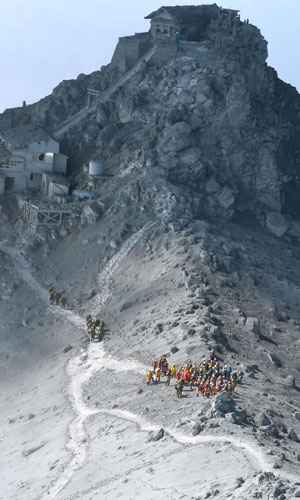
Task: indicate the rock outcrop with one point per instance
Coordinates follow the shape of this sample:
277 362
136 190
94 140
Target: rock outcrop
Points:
210 133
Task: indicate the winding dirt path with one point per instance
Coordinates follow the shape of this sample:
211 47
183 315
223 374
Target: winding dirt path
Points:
83 367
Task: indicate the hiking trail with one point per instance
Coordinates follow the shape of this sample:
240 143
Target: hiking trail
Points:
82 368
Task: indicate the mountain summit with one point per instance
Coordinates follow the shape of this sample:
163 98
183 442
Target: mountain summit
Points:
182 239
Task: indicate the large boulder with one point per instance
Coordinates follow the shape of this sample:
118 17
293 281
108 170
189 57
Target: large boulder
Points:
277 224
197 428
223 404
156 435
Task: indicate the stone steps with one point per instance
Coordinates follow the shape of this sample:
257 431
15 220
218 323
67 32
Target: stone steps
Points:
83 113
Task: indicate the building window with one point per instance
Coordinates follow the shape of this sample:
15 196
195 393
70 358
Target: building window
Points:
42 157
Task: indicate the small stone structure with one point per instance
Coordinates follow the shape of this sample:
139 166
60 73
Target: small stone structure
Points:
26 153
163 25
129 50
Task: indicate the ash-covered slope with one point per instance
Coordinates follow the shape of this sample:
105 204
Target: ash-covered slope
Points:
231 289
201 144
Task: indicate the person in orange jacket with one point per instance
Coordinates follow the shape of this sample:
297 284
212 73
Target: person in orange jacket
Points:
158 373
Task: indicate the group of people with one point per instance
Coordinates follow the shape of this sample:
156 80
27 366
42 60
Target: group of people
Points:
57 298
95 328
161 368
210 377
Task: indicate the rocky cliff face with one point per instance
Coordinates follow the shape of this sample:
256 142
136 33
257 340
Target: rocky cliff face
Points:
210 133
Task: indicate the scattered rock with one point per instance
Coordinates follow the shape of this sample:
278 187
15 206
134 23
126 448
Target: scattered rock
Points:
266 477
278 490
91 294
282 427
197 428
293 436
156 435
159 328
140 391
297 415
30 451
174 349
240 481
226 198
68 348
263 420
31 416
275 360
252 370
297 494
276 224
290 381
190 349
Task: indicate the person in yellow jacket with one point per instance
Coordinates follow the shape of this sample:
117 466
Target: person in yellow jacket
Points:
149 377
173 371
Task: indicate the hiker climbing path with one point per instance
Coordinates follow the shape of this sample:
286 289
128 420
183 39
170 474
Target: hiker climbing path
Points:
84 366
23 268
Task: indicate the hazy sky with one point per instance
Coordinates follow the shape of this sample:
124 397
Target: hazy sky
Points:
45 41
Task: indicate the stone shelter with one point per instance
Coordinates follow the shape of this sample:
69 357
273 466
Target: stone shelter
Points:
25 154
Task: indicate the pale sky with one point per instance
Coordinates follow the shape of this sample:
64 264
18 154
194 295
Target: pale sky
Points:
43 42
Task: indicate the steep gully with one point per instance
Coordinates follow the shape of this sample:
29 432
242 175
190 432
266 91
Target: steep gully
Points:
83 367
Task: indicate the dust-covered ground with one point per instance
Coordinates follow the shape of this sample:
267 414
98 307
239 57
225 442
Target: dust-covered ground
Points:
78 421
